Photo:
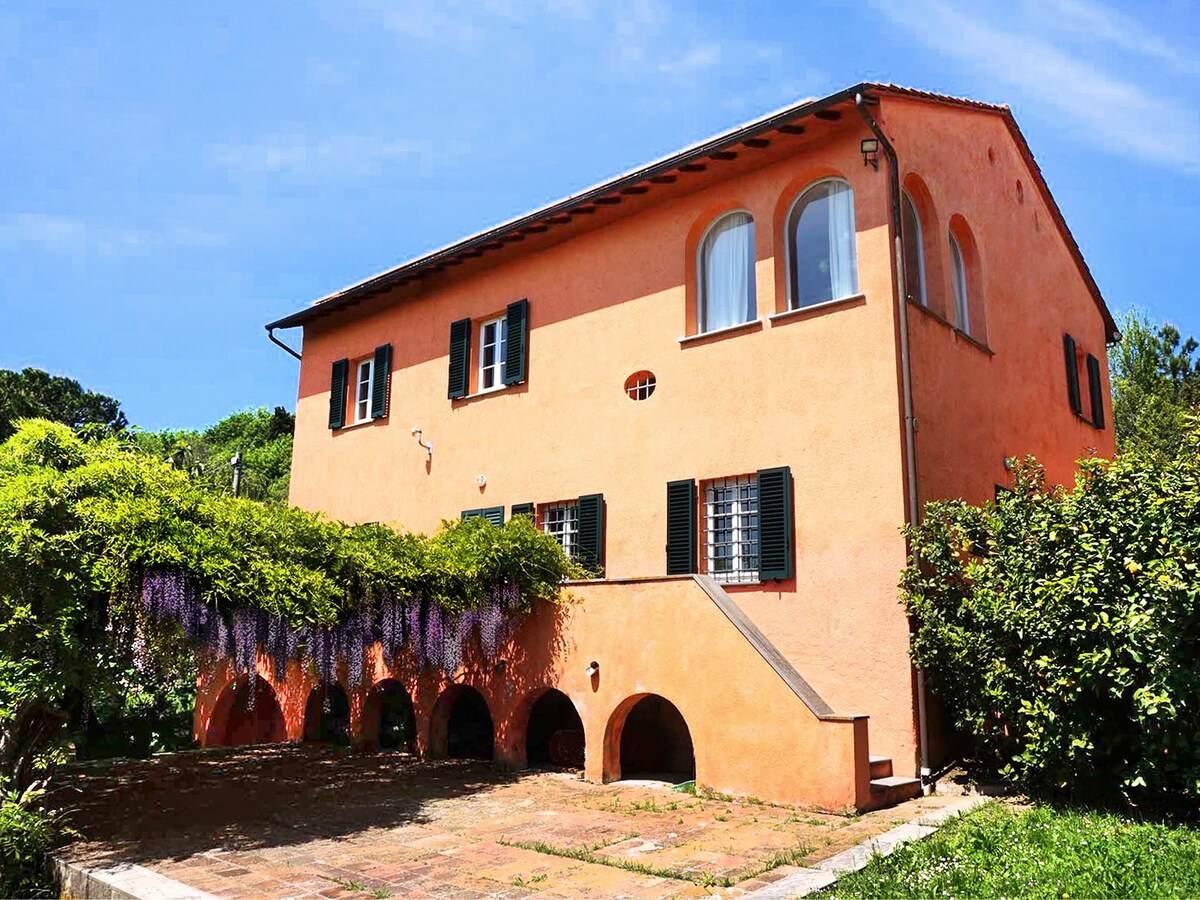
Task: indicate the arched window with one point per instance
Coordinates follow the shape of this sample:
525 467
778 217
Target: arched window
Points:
726 273
958 280
820 234
914 252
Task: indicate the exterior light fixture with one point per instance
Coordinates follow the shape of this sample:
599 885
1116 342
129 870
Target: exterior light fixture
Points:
1009 462
428 447
500 667
870 152
481 480
593 670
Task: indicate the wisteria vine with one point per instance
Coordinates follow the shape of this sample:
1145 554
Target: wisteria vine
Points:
435 637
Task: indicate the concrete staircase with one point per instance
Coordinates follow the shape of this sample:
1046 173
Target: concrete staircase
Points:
888 789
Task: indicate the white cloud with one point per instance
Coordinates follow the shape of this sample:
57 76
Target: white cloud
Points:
1127 116
1101 24
73 235
701 56
337 155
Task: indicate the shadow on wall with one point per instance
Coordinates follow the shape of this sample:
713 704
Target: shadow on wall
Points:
238 720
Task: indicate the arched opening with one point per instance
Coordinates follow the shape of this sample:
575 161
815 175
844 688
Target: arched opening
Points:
238 720
655 742
966 281
327 715
460 726
554 737
388 717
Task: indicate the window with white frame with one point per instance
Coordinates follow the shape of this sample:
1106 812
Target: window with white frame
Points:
958 279
726 273
493 341
914 252
561 520
822 258
731 529
363 387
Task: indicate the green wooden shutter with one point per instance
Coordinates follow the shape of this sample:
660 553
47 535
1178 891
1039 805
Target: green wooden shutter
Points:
776 555
589 537
494 514
381 379
1096 390
337 393
516 348
1072 374
522 509
681 527
460 358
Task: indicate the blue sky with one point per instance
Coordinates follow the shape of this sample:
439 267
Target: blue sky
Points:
177 175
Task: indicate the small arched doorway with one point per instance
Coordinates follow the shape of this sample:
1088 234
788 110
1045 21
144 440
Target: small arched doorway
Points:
237 720
327 715
389 722
461 726
554 737
655 742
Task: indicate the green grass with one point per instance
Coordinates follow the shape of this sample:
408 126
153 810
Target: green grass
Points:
999 851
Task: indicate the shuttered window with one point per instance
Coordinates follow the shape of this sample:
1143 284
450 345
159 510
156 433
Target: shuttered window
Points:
460 358
681 527
1095 391
494 514
522 509
516 350
776 552
337 393
1072 363
589 538
381 376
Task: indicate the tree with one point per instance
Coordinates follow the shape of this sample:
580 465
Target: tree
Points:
1061 627
1156 386
34 394
262 437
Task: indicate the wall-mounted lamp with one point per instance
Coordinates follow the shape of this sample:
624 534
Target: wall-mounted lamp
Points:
428 447
1009 462
500 667
480 480
593 670
870 152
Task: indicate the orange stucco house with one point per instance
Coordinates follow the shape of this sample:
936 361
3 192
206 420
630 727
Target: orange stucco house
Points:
726 379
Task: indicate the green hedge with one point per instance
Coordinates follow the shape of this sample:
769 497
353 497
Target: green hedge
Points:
1061 627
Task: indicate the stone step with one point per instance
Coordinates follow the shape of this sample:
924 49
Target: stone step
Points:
881 766
893 789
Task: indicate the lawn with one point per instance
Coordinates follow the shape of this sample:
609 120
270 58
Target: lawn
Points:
1004 851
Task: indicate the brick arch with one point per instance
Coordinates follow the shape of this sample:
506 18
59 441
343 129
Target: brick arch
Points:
236 722
331 724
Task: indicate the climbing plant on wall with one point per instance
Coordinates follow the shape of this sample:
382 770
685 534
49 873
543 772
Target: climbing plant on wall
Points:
111 559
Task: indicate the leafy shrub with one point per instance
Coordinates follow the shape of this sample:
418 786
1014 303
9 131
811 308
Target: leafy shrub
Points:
1061 627
27 833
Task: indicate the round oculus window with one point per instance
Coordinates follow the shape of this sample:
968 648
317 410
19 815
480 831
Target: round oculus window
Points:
640 385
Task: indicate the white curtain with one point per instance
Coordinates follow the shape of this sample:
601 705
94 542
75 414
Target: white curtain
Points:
843 265
727 273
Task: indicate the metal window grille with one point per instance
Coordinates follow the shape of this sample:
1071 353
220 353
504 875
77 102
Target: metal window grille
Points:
492 345
562 521
640 385
731 528
362 393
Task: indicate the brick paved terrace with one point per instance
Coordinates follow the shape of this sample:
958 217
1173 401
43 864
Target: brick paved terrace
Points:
308 821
